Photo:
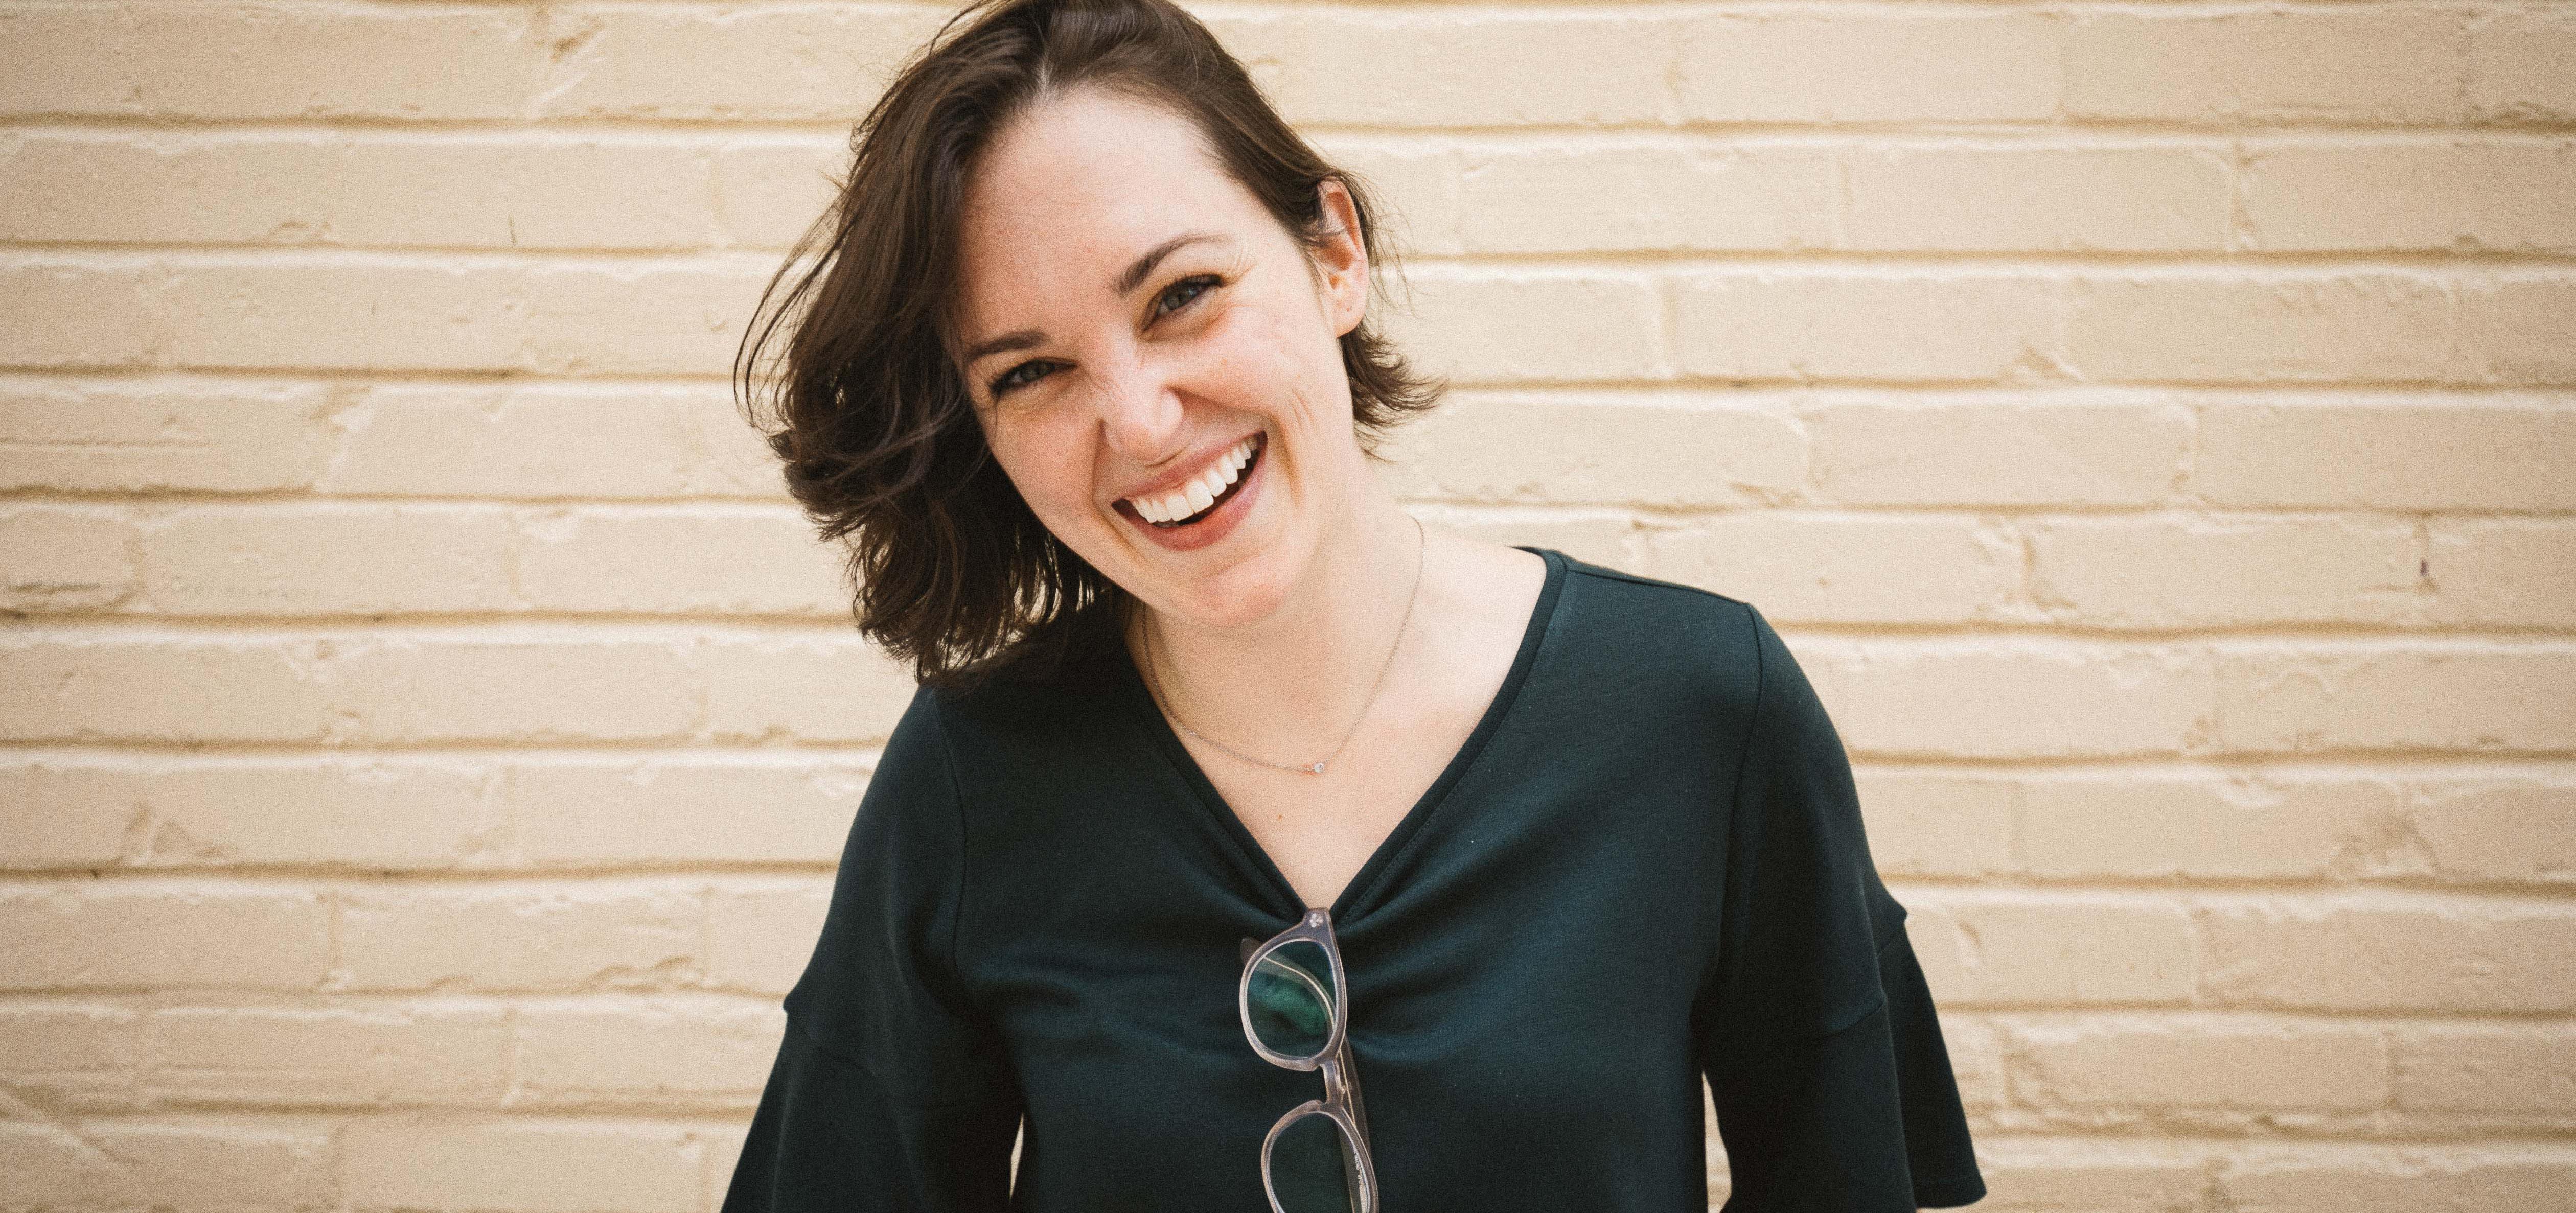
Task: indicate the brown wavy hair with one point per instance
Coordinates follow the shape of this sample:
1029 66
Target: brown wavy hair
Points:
865 407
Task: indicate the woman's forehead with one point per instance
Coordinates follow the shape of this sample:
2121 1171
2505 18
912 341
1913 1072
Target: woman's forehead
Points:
1070 194
1111 134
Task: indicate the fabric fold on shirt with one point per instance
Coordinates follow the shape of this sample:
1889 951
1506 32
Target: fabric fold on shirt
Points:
1821 1045
1643 887
890 1092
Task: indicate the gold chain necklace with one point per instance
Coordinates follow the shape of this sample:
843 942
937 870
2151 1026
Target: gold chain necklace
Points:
1311 768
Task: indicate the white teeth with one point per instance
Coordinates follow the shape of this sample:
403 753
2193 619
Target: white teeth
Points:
1194 496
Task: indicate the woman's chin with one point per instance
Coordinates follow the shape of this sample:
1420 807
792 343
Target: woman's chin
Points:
1242 588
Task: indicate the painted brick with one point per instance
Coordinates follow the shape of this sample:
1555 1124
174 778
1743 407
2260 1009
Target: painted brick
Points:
1988 698
2326 326
301 310
2133 827
2506 827
1937 823
2030 196
2323 63
762 933
728 560
373 684
1847 568
2123 1063
2505 1069
2374 1180
182 933
52 817
577 814
1605 536
374 813
676 1052
64 560
1872 65
2412 193
2398 452
1477 328
1601 195
2079 1172
171 1162
327 558
2359 696
2502 572
702 62
464 191
1364 65
564 438
2518 60
2148 423
814 686
2165 571
2098 950
163 433
2383 955
80 1056
2039 448
330 1056
521 935
519 1164
235 61
1605 450
770 189
1868 324
2518 328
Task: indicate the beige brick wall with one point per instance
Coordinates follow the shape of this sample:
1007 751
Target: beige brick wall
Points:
429 730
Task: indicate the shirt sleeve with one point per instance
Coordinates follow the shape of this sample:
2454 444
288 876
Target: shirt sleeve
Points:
889 1091
1818 1037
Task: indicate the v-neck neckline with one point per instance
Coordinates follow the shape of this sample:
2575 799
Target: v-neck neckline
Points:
1140 701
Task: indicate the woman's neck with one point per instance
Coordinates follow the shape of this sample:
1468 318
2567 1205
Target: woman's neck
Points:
1288 687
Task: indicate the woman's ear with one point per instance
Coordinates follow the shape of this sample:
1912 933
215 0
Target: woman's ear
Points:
1343 259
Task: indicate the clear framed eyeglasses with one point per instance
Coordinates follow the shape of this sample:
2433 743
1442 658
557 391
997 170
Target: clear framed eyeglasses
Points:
1293 999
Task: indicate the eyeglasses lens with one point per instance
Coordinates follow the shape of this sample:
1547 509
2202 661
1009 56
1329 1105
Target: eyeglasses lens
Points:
1314 1168
1291 999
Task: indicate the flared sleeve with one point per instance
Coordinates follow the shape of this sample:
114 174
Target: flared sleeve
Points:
1817 1033
889 1091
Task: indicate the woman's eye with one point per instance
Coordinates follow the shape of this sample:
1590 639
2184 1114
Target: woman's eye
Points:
1205 283
1010 379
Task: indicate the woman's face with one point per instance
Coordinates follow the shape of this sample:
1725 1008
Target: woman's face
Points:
1129 317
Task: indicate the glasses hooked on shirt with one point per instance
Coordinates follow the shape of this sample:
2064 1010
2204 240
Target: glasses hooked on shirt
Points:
1293 1000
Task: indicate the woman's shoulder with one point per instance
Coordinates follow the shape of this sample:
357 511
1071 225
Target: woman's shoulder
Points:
1670 616
1042 698
1655 591
1653 644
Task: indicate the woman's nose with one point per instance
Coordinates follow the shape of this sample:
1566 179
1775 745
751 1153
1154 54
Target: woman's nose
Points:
1140 412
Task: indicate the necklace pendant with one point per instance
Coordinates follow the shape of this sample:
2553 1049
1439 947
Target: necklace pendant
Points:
1318 768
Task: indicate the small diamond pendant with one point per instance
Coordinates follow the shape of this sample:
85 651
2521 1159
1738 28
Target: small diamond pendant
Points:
1319 768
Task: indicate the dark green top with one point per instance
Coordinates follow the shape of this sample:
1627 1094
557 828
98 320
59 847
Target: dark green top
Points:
1645 868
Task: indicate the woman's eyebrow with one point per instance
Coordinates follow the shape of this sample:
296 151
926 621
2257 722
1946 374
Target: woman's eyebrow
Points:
1127 282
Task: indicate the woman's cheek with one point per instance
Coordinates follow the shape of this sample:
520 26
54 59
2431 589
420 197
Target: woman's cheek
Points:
1053 485
1069 472
1248 365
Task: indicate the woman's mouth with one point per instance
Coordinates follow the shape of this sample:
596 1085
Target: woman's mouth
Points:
1211 522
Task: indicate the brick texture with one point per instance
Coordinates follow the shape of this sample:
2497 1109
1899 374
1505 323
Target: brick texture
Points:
2152 424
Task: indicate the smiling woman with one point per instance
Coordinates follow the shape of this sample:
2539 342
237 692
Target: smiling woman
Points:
1230 789
1057 202
1121 388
